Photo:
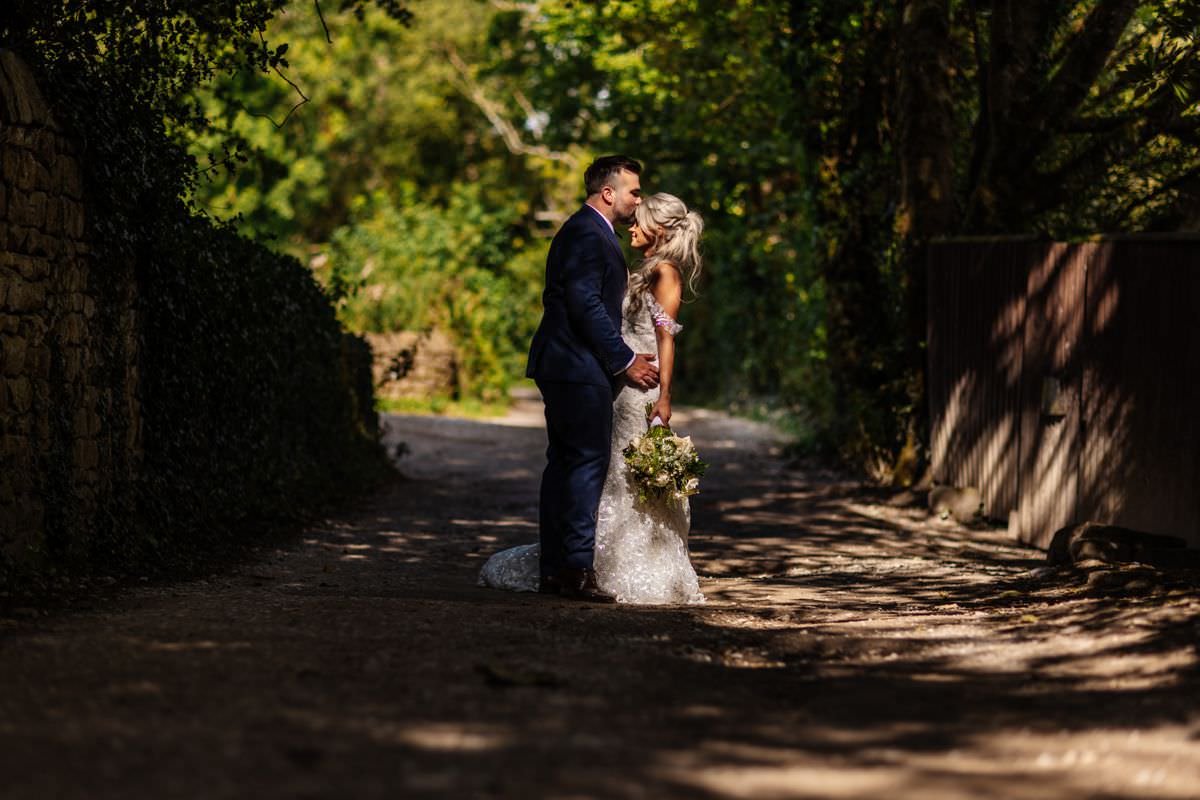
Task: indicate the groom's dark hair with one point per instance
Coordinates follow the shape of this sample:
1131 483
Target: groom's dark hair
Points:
604 169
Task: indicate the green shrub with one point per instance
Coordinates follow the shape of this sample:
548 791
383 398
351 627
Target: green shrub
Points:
464 267
254 400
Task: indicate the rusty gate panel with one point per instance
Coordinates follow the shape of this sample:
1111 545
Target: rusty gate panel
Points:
1141 458
1063 381
1051 389
977 307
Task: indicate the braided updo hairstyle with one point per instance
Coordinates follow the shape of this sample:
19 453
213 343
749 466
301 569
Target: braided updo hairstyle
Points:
674 234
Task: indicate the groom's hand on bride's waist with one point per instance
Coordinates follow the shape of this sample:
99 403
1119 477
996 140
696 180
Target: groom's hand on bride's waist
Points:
643 371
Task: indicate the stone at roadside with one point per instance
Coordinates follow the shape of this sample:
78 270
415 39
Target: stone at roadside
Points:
962 503
1127 581
1112 544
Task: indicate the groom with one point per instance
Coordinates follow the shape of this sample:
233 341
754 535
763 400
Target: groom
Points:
577 358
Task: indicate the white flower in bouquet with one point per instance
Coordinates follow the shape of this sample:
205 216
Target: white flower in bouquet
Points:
662 465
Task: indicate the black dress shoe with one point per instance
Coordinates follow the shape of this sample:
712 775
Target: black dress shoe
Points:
549 584
580 584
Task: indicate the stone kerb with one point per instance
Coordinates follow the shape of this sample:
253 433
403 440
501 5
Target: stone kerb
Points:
68 415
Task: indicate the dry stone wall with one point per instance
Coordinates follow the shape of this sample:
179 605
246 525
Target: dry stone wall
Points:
408 364
69 416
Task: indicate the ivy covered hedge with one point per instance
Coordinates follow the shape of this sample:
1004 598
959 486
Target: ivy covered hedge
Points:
255 402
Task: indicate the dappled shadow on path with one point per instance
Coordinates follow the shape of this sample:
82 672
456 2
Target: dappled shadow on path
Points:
849 647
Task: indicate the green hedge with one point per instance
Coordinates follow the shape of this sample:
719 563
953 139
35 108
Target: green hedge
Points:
255 401
255 404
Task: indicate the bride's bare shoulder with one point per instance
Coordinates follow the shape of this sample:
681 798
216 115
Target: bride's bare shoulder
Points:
666 271
668 287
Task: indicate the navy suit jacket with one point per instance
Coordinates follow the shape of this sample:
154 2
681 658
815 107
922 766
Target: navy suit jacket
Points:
579 338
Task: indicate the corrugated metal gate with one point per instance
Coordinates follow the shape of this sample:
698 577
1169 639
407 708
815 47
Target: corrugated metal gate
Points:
1064 380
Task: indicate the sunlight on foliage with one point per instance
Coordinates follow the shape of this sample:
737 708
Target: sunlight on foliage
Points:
417 266
792 127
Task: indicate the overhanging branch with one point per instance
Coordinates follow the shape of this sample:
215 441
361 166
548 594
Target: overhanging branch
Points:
1085 56
508 133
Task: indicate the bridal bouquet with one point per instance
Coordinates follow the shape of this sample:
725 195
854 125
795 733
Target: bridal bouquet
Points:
664 465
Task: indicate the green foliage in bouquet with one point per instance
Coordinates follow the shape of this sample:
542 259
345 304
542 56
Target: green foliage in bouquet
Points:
664 465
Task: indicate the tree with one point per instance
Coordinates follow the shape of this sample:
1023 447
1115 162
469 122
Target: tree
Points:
409 202
701 93
1059 119
826 143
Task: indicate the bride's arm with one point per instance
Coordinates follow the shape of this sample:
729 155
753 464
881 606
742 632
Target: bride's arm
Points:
668 291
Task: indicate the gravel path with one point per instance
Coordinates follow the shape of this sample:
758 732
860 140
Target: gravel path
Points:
851 647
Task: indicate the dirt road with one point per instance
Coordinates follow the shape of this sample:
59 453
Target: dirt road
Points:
849 648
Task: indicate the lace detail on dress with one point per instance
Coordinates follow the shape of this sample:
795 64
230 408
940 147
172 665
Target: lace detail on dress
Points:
661 318
641 550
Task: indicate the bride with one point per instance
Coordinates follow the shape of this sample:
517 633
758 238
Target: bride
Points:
641 551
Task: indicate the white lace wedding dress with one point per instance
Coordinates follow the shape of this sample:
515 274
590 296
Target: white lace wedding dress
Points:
641 549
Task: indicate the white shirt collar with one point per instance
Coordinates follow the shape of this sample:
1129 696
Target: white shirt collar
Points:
607 221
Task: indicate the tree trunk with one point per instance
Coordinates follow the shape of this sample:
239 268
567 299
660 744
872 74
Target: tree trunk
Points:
1032 94
926 132
1011 66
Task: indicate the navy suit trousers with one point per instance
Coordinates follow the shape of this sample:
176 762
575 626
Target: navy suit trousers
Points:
579 427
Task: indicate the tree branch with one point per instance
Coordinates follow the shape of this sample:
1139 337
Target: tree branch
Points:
1086 54
1012 44
1169 186
1099 124
982 131
303 97
1121 80
1155 117
467 84
321 16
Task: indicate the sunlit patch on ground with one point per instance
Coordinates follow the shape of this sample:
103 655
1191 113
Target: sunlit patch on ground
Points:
850 647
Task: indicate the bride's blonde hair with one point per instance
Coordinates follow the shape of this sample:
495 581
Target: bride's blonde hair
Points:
674 234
